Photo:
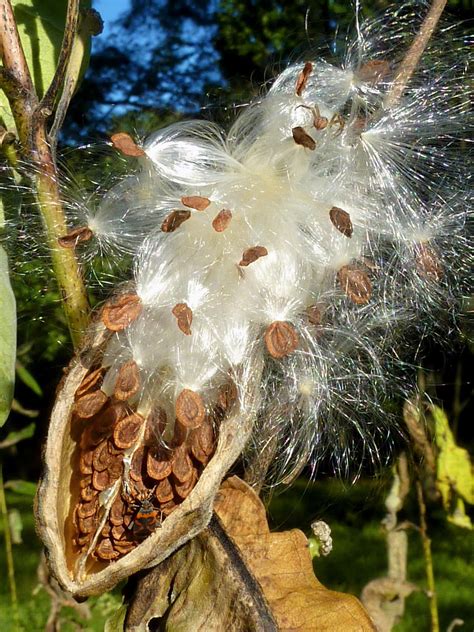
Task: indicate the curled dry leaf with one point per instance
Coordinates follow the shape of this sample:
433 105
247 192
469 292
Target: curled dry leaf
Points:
281 339
112 501
356 284
174 220
222 220
126 145
303 78
236 575
184 317
341 220
196 202
303 138
76 236
118 313
252 254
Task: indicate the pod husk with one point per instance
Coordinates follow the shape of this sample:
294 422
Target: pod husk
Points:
53 501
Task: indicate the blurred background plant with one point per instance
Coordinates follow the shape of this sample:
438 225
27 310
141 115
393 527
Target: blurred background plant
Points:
207 58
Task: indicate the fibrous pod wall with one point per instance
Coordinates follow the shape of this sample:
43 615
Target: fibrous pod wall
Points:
280 271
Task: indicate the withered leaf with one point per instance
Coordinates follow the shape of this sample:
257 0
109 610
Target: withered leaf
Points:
105 550
164 491
281 339
356 284
127 430
126 145
428 262
303 138
341 220
174 220
374 71
128 381
76 236
252 254
196 202
222 220
303 77
90 404
91 382
184 316
190 410
182 465
158 464
121 311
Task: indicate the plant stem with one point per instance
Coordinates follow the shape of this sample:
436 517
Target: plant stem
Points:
414 53
428 560
9 554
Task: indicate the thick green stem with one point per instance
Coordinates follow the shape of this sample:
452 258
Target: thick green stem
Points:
9 554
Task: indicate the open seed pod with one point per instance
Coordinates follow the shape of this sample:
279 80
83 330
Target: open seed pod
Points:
117 495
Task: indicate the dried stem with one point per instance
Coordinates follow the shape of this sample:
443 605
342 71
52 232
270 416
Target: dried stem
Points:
414 53
428 559
31 117
9 554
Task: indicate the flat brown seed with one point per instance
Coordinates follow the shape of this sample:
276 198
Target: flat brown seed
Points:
116 466
181 464
101 457
137 464
86 509
88 493
341 220
184 489
117 511
356 284
303 138
190 410
174 220
124 546
128 381
106 551
168 507
76 236
281 339
202 442
427 262
196 202
127 430
303 78
90 404
86 525
374 71
222 220
119 313
227 395
101 480
118 531
184 316
155 425
91 382
85 462
252 254
164 492
158 464
126 145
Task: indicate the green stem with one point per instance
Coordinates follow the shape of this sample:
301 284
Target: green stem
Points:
9 554
428 560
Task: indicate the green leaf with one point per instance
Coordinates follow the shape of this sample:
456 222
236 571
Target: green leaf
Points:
25 488
18 435
7 337
27 379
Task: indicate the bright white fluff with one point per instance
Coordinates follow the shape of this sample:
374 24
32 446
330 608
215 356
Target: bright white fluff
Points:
324 211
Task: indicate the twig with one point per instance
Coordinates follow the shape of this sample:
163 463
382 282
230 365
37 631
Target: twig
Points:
9 553
412 56
428 560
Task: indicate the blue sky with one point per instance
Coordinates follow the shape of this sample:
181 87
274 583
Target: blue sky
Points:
110 10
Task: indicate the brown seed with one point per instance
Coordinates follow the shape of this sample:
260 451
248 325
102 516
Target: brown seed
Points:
184 489
119 313
137 465
158 464
252 254
101 457
190 410
164 492
90 404
84 481
101 480
116 466
118 531
124 546
168 507
88 493
303 78
94 434
155 425
195 201
427 261
127 430
356 284
303 138
202 441
91 382
86 509
128 381
181 464
320 122
184 316
314 314
117 511
341 220
125 144
85 462
111 415
76 236
106 529
105 550
174 220
374 71
227 395
222 220
281 339
83 540
86 525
